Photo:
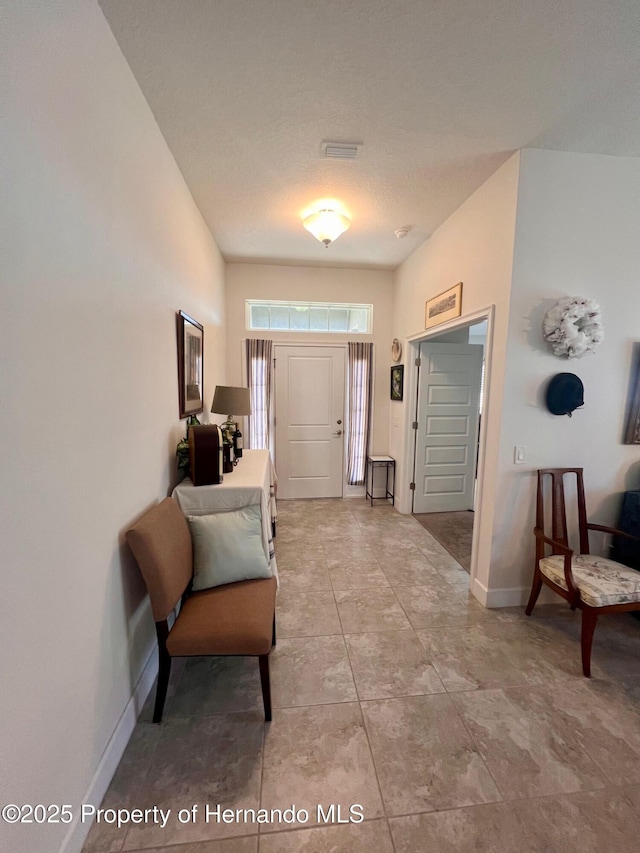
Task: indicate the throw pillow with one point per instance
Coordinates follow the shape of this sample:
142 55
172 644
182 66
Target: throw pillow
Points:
227 547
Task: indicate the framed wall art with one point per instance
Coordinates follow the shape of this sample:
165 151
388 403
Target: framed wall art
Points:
190 365
397 382
632 435
445 306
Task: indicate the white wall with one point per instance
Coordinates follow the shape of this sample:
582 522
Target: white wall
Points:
578 233
316 284
475 246
575 233
103 245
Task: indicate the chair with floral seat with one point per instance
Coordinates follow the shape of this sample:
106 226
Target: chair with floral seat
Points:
590 583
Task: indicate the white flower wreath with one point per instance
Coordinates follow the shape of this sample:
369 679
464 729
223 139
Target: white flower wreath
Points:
573 326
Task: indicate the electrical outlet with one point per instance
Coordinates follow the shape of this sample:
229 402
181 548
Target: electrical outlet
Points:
519 454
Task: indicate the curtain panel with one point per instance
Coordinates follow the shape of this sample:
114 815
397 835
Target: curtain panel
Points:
360 367
259 380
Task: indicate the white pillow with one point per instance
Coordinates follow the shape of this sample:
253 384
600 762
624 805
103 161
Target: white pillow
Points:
227 547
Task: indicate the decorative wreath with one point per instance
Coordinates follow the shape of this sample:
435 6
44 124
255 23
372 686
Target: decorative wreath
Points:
573 326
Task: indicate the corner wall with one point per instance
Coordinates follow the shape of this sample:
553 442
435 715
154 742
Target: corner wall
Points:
547 224
577 234
475 246
103 245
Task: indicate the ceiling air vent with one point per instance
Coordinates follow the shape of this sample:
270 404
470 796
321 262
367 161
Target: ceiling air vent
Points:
340 150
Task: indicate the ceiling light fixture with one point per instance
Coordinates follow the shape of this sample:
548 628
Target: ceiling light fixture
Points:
326 225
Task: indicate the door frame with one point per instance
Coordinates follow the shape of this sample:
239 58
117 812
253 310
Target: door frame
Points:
411 388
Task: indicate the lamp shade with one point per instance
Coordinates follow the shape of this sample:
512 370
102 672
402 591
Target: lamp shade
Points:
231 400
326 225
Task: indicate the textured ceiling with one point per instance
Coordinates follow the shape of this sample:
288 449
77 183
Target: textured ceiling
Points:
439 92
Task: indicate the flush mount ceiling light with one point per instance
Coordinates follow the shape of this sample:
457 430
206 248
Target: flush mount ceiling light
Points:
326 225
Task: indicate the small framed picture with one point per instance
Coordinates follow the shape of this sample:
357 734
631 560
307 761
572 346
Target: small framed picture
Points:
397 382
190 365
443 307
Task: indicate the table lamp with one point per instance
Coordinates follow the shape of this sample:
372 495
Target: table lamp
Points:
232 399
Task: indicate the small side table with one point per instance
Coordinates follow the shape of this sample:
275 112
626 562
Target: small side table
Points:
388 464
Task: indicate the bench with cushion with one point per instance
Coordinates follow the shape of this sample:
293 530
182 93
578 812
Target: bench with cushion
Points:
230 619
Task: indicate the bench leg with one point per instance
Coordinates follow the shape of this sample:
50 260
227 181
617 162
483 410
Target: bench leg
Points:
266 686
164 670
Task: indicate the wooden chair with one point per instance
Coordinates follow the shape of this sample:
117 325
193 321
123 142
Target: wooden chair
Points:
234 619
593 584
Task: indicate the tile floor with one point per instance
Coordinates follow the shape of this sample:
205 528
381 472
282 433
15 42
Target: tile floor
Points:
452 727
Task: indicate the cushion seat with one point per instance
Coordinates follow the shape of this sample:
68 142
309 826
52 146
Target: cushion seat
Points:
234 619
601 582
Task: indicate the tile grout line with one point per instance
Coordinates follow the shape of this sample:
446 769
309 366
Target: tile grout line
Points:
358 700
371 753
477 748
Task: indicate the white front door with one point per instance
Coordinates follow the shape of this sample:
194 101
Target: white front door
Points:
309 421
447 434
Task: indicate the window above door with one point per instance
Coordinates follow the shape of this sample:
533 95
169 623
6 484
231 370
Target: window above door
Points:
314 317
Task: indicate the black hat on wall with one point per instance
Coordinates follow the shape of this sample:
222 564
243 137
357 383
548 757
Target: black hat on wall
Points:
565 393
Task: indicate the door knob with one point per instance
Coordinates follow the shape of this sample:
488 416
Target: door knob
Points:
338 422
339 432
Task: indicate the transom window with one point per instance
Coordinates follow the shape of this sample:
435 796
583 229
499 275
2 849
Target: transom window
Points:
309 317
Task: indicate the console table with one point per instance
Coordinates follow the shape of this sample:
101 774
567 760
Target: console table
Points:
252 482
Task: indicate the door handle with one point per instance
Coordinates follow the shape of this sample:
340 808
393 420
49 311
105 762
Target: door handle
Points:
338 433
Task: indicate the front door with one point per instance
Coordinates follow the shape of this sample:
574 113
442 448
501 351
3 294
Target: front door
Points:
447 434
309 426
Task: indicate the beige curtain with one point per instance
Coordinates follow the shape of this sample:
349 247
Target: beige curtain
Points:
259 372
360 366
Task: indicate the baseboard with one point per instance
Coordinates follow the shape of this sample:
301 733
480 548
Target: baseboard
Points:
114 751
478 590
353 491
516 596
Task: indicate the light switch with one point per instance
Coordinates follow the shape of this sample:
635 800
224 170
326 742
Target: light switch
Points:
519 454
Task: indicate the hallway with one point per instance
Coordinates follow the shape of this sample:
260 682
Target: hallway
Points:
453 530
455 728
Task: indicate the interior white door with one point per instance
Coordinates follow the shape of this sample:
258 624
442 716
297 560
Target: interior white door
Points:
309 429
447 434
